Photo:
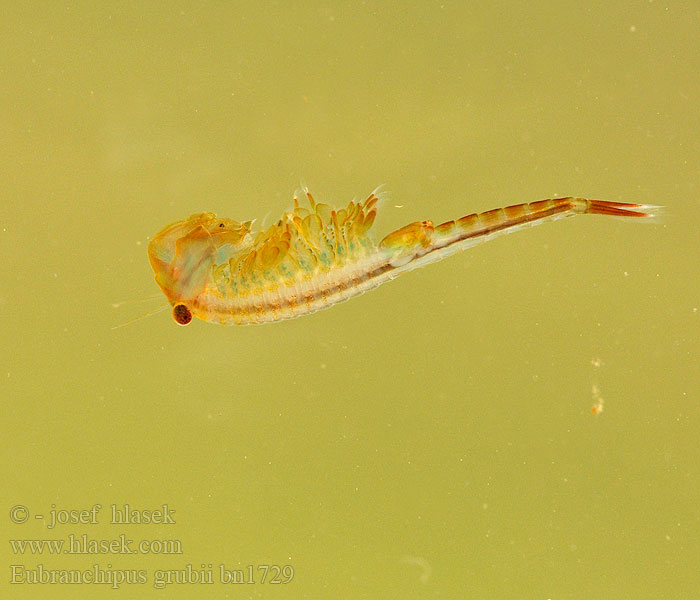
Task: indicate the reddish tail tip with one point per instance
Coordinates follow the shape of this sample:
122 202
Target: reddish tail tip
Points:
621 209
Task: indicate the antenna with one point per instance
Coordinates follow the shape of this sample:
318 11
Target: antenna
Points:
148 314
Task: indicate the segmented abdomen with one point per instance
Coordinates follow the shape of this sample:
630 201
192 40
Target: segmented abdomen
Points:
298 280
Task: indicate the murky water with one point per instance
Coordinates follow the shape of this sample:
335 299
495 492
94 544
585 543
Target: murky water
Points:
433 438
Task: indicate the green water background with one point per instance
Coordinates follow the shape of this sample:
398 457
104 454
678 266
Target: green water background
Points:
432 439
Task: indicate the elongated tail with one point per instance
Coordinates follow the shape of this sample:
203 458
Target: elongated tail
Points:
421 242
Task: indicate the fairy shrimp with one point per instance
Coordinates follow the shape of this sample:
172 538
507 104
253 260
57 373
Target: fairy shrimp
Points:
314 257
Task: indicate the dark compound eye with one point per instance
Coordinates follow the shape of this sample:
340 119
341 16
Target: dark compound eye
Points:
182 314
221 224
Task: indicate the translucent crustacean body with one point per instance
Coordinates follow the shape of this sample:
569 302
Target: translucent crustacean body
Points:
218 270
